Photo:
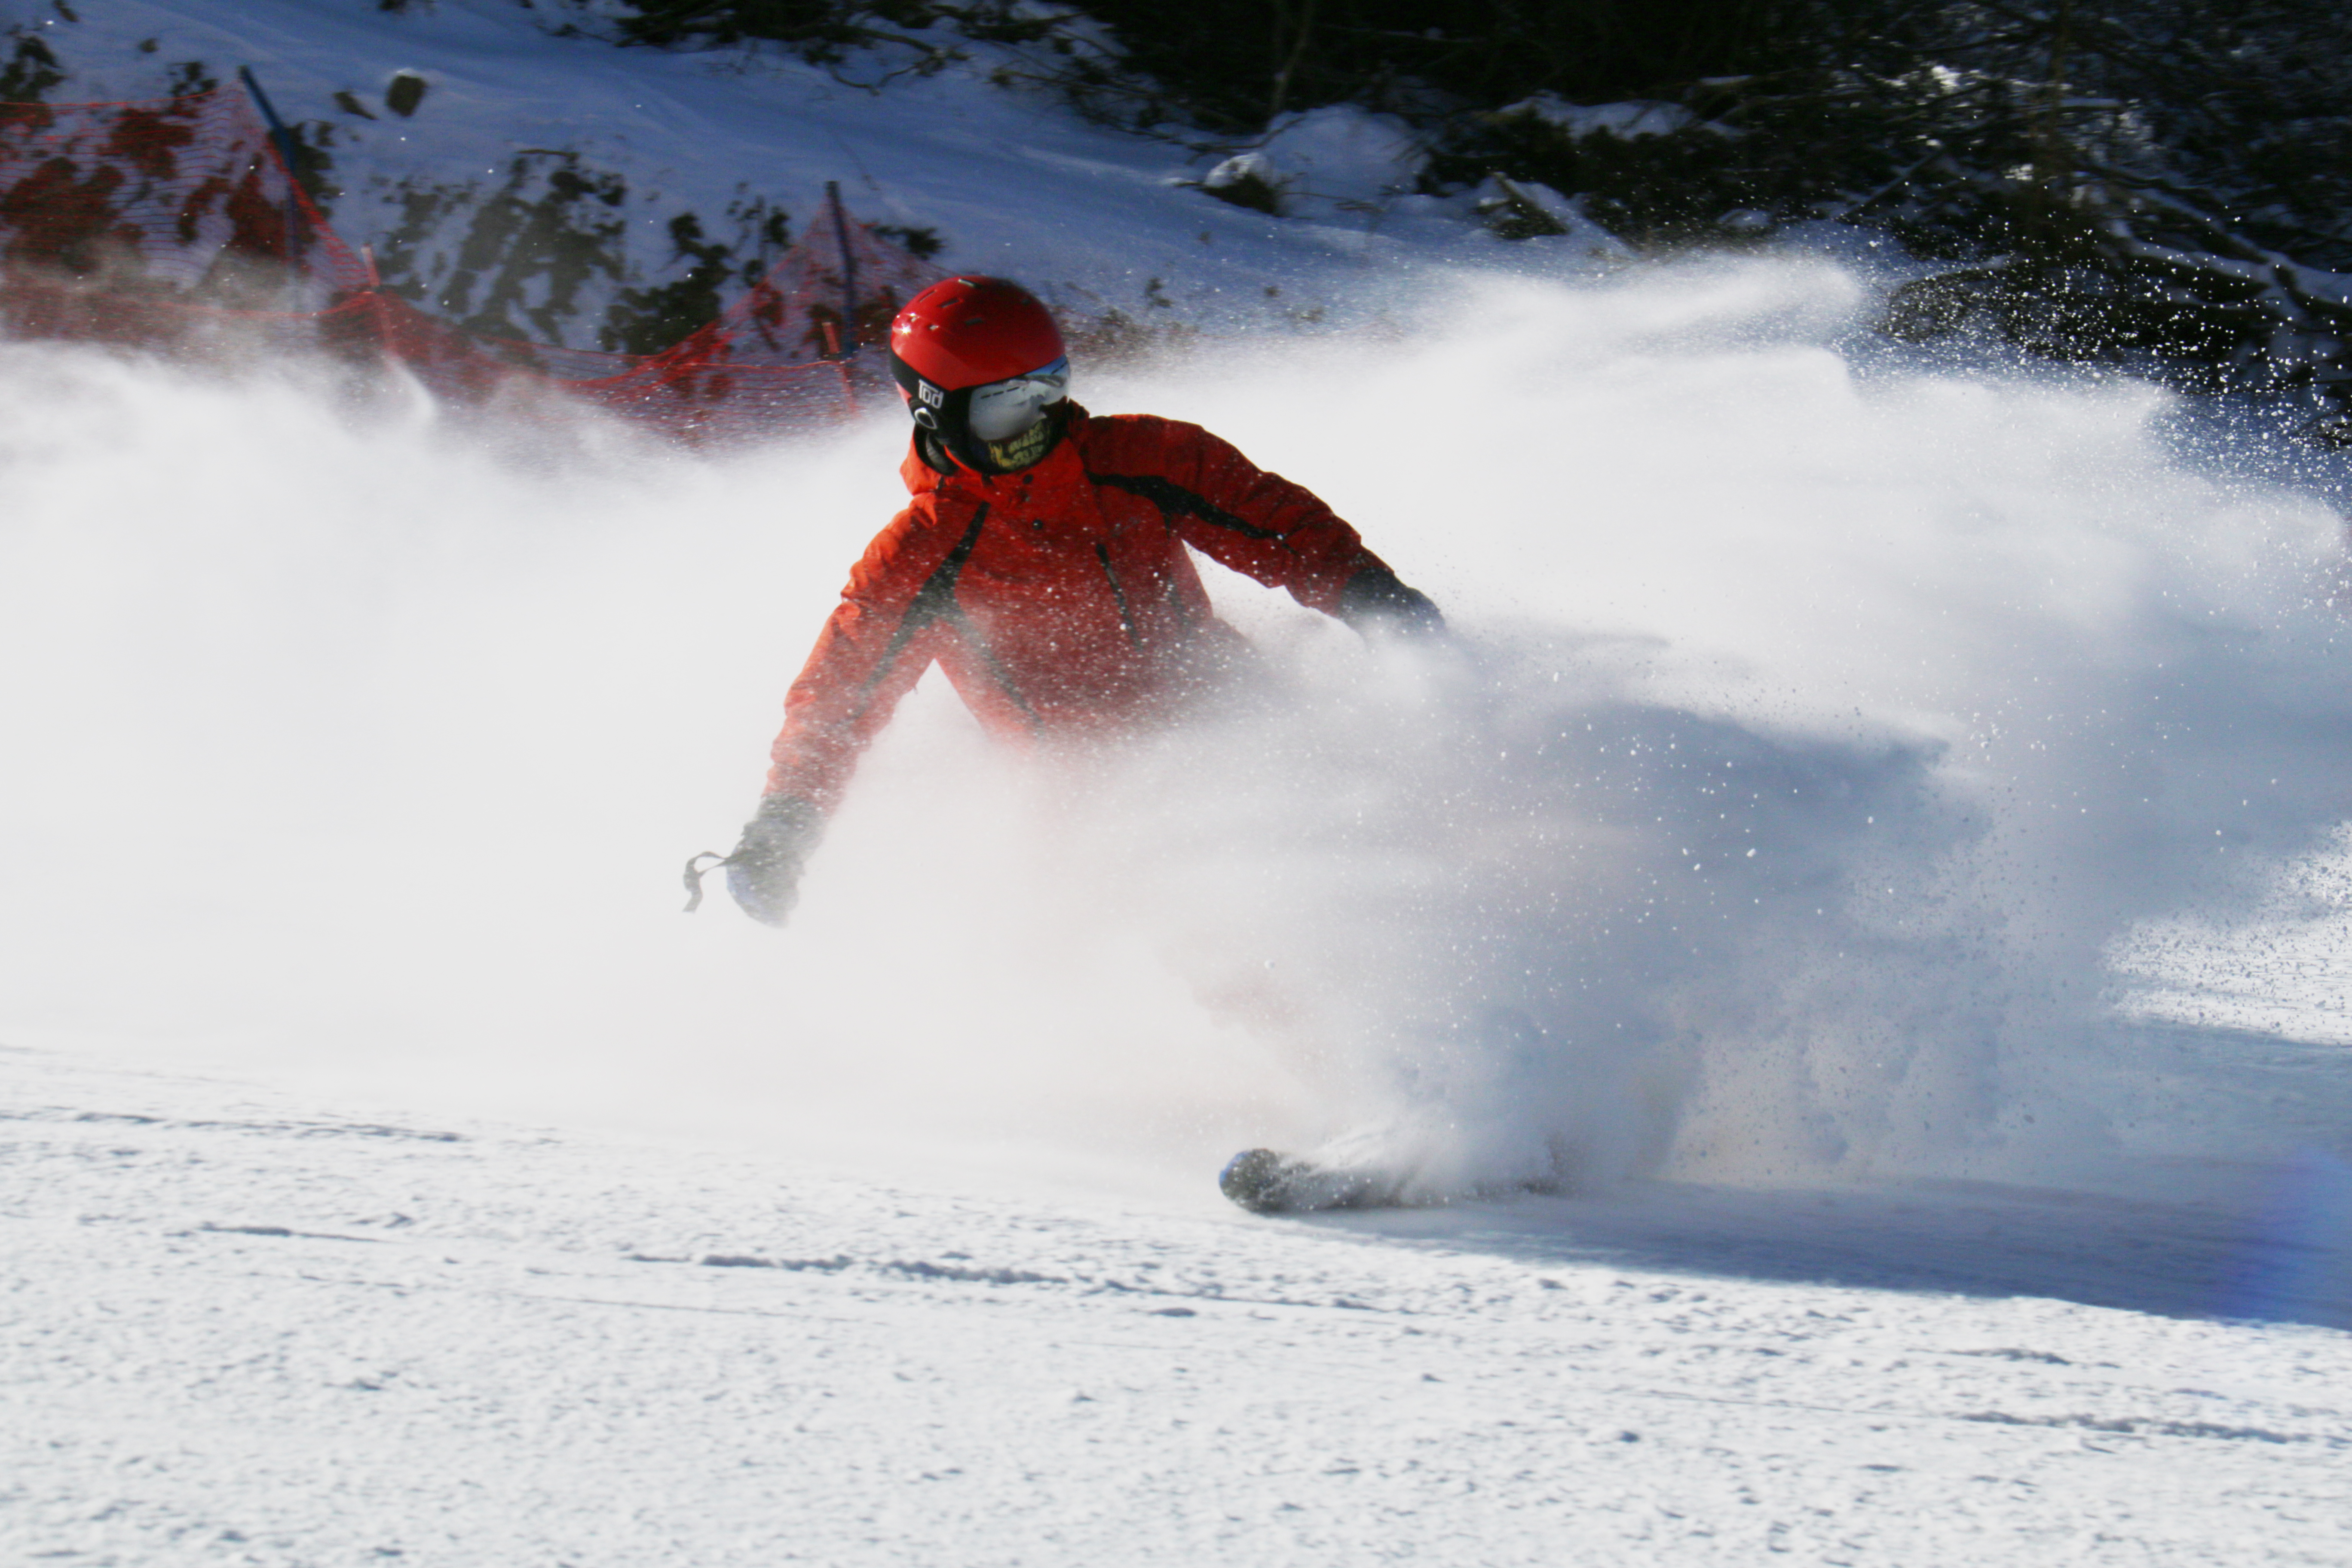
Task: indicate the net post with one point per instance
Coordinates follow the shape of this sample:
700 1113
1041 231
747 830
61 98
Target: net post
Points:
849 270
283 140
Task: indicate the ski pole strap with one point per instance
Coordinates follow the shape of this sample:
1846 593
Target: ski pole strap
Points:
696 870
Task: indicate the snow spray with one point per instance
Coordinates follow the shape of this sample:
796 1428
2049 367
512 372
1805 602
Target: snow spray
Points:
1820 726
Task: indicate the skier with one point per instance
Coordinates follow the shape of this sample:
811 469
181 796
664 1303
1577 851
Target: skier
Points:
1042 563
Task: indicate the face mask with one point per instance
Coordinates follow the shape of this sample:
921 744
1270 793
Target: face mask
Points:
1024 449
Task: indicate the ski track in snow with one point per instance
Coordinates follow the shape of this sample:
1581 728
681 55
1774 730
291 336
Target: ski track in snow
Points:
241 1328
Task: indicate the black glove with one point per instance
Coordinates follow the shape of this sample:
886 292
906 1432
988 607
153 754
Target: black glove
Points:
764 872
1375 600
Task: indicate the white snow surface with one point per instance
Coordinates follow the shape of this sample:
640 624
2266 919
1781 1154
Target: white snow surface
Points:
243 1328
1878 843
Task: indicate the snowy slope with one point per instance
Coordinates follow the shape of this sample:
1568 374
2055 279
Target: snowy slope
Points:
1880 836
243 1330
1006 181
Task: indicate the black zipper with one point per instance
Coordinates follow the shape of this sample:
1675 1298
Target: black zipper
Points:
1102 554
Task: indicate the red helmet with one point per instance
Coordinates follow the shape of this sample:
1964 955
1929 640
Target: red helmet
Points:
990 339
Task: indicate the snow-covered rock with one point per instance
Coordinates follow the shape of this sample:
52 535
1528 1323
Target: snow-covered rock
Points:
1340 160
1626 121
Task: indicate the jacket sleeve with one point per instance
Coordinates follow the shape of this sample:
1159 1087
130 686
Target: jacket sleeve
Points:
1258 524
872 650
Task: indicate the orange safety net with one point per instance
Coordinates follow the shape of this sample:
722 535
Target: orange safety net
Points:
175 223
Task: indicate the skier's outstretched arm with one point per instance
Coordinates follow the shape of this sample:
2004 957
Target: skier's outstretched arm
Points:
1263 526
872 650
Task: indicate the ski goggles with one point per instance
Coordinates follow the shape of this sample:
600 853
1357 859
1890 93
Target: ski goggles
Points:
1003 409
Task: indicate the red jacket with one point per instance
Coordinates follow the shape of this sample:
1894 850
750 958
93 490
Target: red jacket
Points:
1060 599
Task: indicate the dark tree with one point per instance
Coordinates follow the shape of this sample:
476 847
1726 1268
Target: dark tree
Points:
2166 180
